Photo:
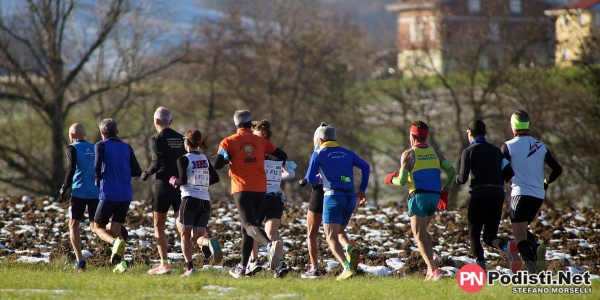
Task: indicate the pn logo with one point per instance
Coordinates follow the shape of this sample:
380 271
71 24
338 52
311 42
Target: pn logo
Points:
471 278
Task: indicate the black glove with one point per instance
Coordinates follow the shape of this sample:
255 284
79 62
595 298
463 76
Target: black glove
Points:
145 176
545 185
62 192
302 182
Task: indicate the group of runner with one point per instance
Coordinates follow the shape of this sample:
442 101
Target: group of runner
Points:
521 160
100 178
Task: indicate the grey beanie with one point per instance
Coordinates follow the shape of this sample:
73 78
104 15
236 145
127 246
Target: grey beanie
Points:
241 117
325 132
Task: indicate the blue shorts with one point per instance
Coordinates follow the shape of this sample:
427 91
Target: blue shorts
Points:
423 204
115 209
338 208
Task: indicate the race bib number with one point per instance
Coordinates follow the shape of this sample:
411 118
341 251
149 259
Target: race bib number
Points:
273 170
201 180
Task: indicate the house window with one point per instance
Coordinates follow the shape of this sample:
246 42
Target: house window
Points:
413 30
421 29
515 6
494 32
474 5
564 54
432 30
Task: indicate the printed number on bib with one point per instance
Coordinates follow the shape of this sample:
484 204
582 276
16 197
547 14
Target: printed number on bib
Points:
201 180
273 170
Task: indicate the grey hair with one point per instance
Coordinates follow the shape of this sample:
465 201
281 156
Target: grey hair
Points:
108 127
326 133
163 115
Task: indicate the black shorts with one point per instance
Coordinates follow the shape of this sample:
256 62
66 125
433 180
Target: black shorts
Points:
164 197
316 200
77 208
272 208
524 208
115 209
194 213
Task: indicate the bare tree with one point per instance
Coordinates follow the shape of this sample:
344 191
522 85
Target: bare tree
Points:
51 67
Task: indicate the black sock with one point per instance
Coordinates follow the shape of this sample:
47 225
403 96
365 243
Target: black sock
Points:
189 265
525 248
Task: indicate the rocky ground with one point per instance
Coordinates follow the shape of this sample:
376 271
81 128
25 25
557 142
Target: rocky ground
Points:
36 230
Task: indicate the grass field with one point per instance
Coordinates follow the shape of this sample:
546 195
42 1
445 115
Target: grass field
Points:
58 281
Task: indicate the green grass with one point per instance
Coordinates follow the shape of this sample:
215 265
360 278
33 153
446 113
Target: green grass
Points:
58 281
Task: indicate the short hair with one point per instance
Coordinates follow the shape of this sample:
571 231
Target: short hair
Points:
420 125
163 115
108 127
242 118
326 133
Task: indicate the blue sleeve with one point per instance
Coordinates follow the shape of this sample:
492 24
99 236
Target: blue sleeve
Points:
99 159
365 169
313 169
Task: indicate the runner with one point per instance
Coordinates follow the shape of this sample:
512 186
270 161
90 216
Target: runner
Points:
80 178
272 208
196 173
245 153
167 147
490 170
314 218
527 156
115 164
335 165
423 177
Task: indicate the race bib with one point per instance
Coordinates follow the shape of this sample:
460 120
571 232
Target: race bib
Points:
273 170
201 180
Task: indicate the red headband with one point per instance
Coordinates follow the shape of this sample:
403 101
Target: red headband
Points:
414 130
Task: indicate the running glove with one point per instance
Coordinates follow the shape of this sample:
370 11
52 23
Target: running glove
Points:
302 182
390 177
290 165
443 201
172 181
145 176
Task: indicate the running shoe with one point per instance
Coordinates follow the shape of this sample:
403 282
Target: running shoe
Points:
435 275
159 270
117 251
512 253
79 266
353 256
346 274
275 254
253 268
237 272
188 272
541 258
206 251
282 270
121 267
311 273
215 250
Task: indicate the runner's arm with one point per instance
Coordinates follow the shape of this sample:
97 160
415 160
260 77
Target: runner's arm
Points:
406 163
465 167
507 170
505 152
313 169
157 157
450 170
554 165
280 154
71 166
98 161
136 170
219 160
214 176
365 171
182 164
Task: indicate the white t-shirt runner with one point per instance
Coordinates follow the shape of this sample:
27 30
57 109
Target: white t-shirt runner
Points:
527 157
198 177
